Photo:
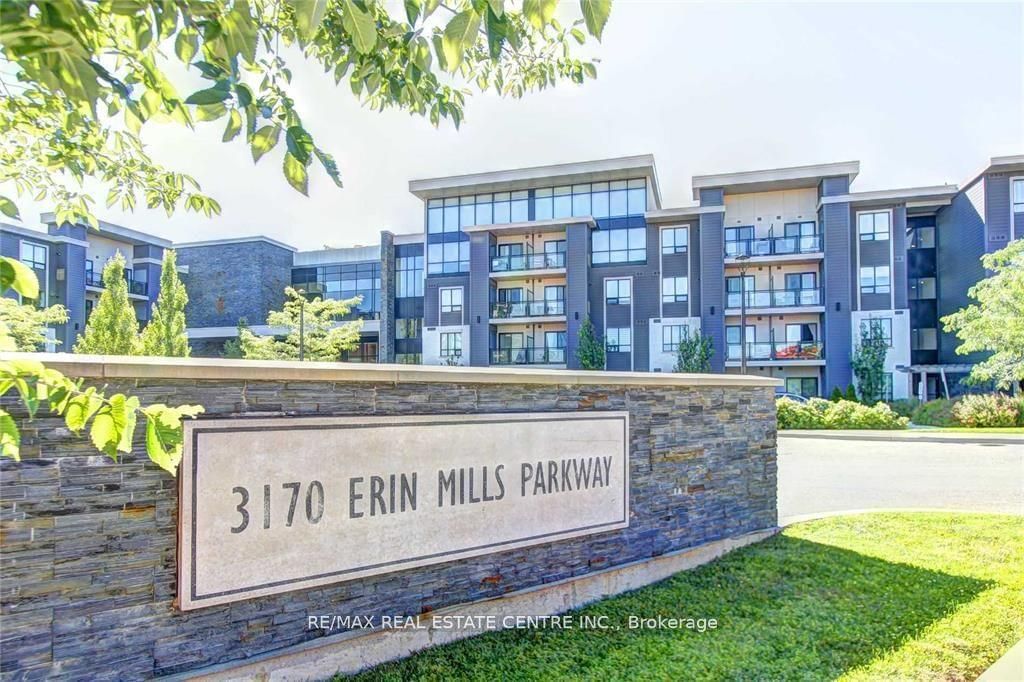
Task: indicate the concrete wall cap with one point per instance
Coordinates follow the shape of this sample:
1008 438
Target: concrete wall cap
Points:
125 367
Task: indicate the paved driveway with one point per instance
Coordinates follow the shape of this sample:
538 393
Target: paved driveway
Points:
821 475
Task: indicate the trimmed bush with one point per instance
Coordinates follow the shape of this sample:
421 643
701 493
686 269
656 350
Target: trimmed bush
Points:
851 393
905 407
836 396
991 410
934 413
844 414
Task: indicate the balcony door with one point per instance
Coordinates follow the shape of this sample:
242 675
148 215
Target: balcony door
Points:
801 333
554 299
554 253
732 340
554 347
732 289
510 295
801 289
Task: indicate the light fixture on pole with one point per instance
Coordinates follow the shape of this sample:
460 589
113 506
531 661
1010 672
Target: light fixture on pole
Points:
302 325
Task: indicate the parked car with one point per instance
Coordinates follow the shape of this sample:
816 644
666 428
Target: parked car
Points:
796 397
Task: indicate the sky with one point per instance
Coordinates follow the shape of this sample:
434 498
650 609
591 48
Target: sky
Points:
920 94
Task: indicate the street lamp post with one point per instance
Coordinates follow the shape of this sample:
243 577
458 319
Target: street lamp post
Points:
743 258
302 325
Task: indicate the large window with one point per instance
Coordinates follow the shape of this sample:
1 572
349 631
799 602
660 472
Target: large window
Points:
887 386
805 386
454 213
598 199
921 237
874 280
33 255
451 344
674 289
675 240
618 340
738 240
883 324
409 276
408 328
618 291
922 288
448 257
451 299
409 358
619 245
873 226
672 335
1017 192
925 338
344 281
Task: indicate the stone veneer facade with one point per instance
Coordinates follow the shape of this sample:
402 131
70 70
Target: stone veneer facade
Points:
89 545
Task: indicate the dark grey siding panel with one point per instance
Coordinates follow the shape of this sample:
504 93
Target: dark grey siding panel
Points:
675 265
477 302
831 187
675 310
899 257
874 252
960 243
712 285
577 262
227 282
875 301
619 362
837 275
618 316
431 303
695 270
997 211
386 347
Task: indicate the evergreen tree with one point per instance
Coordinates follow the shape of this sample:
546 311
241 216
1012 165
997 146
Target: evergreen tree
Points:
112 328
165 334
836 395
590 351
694 354
868 363
851 393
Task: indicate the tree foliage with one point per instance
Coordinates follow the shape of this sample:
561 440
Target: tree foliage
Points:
112 328
590 350
694 354
868 363
84 77
313 323
110 420
995 323
26 324
165 334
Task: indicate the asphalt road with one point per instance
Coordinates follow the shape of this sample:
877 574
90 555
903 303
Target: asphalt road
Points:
821 475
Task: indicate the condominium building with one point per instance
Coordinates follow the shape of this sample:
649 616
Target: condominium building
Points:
782 269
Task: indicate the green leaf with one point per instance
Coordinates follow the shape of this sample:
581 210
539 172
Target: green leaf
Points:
80 409
213 95
234 126
300 143
210 112
412 10
16 275
459 35
595 14
497 6
295 172
539 12
589 69
186 44
263 141
10 438
8 208
308 15
360 25
330 166
104 434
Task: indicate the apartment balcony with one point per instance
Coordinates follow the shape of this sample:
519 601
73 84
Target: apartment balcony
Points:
95 279
536 264
776 249
528 356
772 301
527 311
777 353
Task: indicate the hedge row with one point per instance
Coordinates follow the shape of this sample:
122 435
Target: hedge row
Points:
843 414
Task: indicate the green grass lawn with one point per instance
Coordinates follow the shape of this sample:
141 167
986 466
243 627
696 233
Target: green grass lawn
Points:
867 597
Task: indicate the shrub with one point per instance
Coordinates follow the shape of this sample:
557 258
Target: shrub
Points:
991 410
836 395
905 407
934 413
844 414
851 393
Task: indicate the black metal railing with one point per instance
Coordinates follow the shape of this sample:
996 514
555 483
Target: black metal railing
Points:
528 356
527 309
773 246
775 298
95 279
778 350
531 261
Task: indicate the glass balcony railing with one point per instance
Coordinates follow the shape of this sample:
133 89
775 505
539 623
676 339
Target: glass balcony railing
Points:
528 356
773 246
95 279
532 261
781 298
778 350
527 309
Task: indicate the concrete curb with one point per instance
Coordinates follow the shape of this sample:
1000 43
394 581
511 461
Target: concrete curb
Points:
1009 668
913 436
357 650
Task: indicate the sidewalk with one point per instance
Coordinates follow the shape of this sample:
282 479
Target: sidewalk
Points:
912 435
1009 668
